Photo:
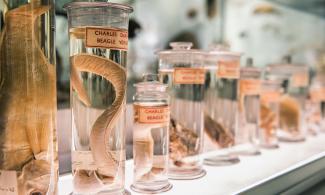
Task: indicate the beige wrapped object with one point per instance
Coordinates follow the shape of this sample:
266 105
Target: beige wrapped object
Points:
28 102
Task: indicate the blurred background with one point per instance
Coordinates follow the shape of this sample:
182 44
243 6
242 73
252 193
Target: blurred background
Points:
263 30
266 30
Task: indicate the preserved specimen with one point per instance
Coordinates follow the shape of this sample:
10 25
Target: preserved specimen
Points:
221 103
98 52
269 113
150 136
294 80
247 136
28 144
181 68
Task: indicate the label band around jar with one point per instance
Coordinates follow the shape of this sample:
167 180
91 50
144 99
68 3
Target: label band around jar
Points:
228 69
189 76
300 79
110 38
250 86
152 115
270 96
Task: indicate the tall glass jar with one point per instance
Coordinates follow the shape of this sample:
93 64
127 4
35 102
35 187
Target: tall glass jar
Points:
181 68
221 104
98 33
317 104
150 136
248 132
28 142
269 113
292 103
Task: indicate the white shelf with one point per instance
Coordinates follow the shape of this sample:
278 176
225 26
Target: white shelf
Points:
250 172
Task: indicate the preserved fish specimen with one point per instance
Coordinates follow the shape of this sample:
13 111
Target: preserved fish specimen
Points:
182 70
150 136
221 100
28 157
98 54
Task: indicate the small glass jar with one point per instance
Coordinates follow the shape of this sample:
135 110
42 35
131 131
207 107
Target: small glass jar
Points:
294 79
221 104
150 136
269 113
181 68
248 132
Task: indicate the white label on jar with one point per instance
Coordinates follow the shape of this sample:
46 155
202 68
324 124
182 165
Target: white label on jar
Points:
250 86
8 183
153 115
83 160
189 75
110 38
300 79
228 69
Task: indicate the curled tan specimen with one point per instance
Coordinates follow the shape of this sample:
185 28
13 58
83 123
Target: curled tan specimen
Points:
27 98
106 159
289 114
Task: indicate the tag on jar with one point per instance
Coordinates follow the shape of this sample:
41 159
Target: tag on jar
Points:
250 86
189 76
228 69
152 115
317 94
83 160
270 96
8 183
110 38
300 79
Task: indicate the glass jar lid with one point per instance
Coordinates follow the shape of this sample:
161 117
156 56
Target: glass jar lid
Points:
284 70
78 4
218 52
181 52
250 71
150 83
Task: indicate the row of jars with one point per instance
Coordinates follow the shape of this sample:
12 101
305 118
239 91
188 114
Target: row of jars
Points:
204 101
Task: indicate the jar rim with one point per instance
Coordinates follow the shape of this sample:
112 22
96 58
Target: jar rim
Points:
73 5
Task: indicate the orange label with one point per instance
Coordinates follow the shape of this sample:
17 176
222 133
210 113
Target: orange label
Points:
110 38
228 69
189 75
150 115
250 86
317 94
270 96
300 80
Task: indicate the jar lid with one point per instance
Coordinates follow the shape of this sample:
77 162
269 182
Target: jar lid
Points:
285 70
150 83
218 52
77 4
250 71
181 52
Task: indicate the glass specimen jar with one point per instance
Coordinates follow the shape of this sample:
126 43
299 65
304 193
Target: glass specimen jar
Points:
248 132
269 113
98 33
292 103
28 157
150 136
181 68
221 104
316 105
